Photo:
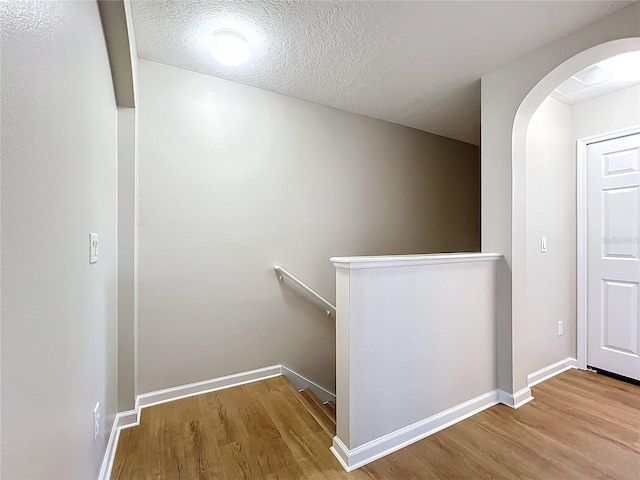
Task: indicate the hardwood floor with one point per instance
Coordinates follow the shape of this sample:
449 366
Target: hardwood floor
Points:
580 426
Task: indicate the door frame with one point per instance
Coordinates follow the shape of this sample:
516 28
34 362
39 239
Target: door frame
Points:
581 245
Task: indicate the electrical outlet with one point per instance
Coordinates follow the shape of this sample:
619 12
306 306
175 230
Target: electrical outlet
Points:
93 248
560 328
96 421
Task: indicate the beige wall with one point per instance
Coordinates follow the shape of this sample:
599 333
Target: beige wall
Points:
127 257
550 213
233 180
58 185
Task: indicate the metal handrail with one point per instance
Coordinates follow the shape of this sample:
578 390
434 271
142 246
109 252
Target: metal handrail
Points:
283 273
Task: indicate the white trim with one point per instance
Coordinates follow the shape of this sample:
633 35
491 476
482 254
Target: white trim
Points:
515 400
197 388
367 453
300 383
127 419
581 274
581 245
341 452
110 452
121 420
551 371
387 261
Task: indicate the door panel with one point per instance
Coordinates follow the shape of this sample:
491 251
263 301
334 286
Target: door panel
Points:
626 161
619 226
613 255
620 302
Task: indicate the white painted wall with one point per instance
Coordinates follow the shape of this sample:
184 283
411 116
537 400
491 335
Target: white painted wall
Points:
551 207
504 183
233 180
608 113
58 184
416 336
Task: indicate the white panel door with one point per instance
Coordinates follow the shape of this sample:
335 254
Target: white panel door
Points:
613 255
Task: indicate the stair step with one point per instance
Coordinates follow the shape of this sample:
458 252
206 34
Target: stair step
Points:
330 407
315 408
319 412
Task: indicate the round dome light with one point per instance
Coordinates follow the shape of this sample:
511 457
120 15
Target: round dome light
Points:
229 47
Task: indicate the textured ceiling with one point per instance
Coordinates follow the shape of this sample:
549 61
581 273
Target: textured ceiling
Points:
413 63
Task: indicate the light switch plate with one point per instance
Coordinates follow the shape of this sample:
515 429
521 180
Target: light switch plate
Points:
93 248
543 244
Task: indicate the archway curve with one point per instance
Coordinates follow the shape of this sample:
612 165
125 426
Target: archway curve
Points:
523 116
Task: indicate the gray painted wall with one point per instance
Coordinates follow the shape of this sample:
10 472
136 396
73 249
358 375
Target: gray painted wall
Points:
58 185
233 180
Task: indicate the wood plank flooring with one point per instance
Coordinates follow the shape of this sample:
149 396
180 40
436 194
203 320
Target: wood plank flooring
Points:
580 426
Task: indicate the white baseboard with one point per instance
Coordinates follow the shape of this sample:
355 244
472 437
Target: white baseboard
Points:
524 396
301 383
127 419
197 388
551 371
367 453
515 400
122 420
131 418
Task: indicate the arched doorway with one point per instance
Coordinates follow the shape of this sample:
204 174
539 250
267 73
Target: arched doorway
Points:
520 271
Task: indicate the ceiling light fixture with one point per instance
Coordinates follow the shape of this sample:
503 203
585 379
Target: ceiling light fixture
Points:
624 67
229 47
